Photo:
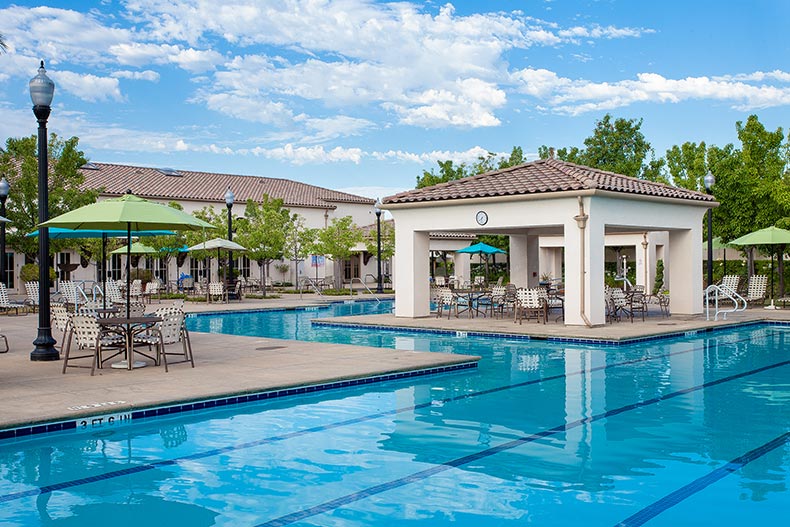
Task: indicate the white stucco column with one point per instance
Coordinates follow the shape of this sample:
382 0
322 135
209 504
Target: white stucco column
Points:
412 268
584 271
533 260
643 262
519 267
685 274
462 266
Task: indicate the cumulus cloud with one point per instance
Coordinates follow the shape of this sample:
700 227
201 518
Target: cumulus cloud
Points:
88 87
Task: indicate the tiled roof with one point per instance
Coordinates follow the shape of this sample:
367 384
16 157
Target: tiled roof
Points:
152 183
439 235
543 175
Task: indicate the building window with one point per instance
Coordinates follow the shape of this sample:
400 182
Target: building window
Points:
243 266
115 266
64 261
160 270
197 268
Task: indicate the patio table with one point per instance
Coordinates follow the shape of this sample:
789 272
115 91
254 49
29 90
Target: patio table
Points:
129 327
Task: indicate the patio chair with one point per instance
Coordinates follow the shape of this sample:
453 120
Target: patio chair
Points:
151 289
663 303
756 293
446 300
620 304
31 288
216 290
60 319
68 293
89 335
236 294
171 330
529 304
440 281
638 304
494 302
136 289
6 304
112 292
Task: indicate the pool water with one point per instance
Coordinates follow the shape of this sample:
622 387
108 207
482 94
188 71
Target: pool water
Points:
684 431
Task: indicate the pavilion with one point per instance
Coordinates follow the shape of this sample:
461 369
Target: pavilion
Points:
549 197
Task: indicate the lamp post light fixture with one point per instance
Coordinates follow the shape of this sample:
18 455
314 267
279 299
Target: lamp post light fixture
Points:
4 188
42 89
229 199
377 210
709 181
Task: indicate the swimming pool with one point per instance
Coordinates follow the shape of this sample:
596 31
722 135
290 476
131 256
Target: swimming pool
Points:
683 431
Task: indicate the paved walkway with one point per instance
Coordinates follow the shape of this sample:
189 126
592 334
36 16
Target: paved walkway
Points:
35 392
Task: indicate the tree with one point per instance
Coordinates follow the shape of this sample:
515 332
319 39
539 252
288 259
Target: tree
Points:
19 165
616 145
687 165
263 231
336 241
387 240
447 172
299 242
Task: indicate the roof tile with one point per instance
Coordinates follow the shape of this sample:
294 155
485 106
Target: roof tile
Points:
210 187
543 175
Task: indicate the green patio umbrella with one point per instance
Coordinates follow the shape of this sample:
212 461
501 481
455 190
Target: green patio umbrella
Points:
481 249
131 213
135 248
768 236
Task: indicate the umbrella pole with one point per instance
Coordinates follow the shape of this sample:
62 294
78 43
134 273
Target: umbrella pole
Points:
128 267
772 306
104 269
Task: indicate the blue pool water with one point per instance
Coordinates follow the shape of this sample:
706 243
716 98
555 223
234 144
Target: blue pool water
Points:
684 431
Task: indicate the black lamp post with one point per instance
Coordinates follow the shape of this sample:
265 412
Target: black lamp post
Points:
4 188
709 181
377 210
229 198
42 90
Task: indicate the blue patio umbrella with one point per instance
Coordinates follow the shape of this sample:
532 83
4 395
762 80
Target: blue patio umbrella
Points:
481 249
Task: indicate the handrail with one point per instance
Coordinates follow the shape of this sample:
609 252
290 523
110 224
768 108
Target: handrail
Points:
351 289
718 291
79 291
96 287
312 283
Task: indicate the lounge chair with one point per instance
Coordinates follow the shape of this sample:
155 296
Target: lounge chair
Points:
6 304
31 288
151 290
756 293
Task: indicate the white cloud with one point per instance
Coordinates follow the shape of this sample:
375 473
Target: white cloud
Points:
574 97
300 155
88 87
147 75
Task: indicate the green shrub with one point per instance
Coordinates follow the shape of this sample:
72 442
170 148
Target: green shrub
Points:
658 284
29 273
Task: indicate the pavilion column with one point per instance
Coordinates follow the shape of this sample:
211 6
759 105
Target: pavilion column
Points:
533 260
684 267
412 267
519 260
584 271
462 266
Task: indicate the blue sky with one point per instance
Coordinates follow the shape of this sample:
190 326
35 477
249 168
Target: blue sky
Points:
362 96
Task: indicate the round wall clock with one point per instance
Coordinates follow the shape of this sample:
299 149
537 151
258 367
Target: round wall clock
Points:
481 217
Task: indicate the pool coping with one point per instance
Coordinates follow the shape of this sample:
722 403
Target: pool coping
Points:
92 420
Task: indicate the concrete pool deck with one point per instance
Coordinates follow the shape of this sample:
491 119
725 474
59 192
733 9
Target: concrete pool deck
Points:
37 392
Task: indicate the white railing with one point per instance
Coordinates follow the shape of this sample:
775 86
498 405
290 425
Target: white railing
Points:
351 288
712 295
